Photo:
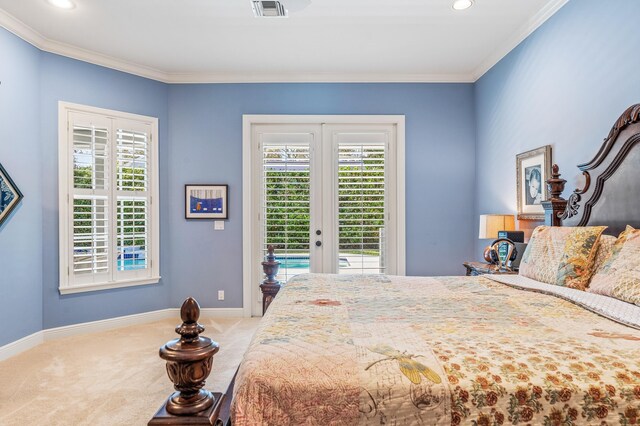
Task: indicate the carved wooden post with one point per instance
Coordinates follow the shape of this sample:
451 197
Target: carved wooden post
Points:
189 361
555 206
270 286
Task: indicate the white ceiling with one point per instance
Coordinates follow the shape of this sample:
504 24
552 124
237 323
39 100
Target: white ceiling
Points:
331 40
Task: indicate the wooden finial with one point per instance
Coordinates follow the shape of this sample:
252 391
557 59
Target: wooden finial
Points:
271 257
190 311
270 286
554 206
189 329
189 361
270 266
555 184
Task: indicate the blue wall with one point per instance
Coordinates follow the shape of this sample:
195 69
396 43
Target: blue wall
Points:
206 147
565 85
201 141
63 79
21 234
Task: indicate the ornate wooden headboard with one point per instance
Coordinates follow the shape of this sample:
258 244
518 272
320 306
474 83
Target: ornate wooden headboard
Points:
611 194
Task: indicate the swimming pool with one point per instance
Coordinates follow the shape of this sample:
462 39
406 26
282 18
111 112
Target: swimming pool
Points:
131 264
302 262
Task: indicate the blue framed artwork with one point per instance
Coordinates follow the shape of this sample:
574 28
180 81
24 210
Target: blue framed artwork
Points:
10 195
206 201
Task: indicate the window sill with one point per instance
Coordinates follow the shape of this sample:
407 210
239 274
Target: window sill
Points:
107 286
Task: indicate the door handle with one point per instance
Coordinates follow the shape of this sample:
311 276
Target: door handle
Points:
318 243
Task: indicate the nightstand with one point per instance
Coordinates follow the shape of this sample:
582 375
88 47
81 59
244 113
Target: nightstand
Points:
481 268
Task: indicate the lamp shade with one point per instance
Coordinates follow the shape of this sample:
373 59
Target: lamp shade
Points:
490 224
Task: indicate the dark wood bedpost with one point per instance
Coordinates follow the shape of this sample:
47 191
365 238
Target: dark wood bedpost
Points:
555 206
189 361
270 286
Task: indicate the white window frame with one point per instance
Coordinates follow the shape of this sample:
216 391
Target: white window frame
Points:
249 215
65 182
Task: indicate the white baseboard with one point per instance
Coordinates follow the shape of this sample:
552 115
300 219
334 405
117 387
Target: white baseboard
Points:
19 346
35 339
107 324
219 312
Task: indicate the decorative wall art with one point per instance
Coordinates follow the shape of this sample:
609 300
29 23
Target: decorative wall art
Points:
206 201
533 168
10 195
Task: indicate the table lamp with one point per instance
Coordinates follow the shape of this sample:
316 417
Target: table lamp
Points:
490 224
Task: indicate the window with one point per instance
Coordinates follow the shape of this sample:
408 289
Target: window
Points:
108 184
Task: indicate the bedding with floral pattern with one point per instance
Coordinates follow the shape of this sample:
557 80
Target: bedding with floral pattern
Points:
605 248
563 256
619 276
360 350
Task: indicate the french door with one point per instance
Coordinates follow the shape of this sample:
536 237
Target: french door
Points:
326 196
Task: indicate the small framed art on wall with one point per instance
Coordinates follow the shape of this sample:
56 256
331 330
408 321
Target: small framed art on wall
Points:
10 195
206 201
533 168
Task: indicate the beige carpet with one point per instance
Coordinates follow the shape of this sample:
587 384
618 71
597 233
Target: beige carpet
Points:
109 378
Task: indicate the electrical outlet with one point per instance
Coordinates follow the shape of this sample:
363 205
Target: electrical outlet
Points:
220 294
218 225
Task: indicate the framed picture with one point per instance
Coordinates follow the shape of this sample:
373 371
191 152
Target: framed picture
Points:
10 195
533 168
206 201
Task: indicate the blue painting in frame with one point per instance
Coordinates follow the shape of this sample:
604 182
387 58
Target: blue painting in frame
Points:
10 195
206 201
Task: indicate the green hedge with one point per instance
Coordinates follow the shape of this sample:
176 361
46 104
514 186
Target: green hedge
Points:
287 210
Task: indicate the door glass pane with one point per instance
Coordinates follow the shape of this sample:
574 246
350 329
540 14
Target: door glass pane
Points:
286 207
361 208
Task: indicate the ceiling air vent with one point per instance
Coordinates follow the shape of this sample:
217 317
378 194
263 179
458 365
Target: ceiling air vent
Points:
268 9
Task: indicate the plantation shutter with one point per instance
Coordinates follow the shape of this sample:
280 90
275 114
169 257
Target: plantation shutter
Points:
109 199
286 188
361 202
89 198
132 198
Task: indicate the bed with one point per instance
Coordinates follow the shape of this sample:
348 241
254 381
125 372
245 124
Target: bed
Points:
352 350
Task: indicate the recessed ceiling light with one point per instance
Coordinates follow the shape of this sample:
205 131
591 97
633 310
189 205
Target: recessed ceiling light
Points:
62 4
462 4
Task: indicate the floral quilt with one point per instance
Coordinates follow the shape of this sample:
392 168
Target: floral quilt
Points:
360 350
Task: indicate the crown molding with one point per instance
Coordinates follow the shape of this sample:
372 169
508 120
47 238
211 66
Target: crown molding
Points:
197 78
95 58
31 36
21 29
28 34
533 24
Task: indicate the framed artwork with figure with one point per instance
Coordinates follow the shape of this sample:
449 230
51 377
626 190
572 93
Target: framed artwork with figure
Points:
10 195
533 168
